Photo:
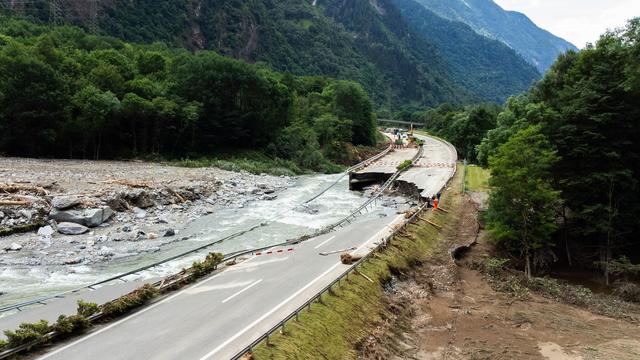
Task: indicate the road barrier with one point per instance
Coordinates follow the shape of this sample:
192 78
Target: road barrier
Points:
42 300
318 296
179 278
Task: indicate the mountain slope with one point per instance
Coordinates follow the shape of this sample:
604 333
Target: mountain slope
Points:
368 41
480 64
298 37
538 46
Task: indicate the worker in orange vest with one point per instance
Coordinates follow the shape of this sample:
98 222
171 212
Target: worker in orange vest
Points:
435 203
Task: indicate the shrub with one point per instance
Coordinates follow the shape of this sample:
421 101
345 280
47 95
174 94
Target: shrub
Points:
210 263
130 301
87 309
494 266
628 291
3 344
67 325
27 333
404 165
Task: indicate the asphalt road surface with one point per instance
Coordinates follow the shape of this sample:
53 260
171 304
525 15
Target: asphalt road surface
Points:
219 316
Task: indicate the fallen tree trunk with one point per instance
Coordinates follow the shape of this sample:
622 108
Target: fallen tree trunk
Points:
14 202
14 188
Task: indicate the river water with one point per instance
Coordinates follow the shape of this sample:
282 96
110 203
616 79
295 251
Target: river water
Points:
286 220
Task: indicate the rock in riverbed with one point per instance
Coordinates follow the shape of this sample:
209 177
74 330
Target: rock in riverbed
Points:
68 228
88 217
13 247
65 202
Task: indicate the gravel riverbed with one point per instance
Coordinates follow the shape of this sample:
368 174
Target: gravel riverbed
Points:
150 203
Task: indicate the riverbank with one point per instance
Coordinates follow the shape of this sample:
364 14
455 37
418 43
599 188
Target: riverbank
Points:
144 206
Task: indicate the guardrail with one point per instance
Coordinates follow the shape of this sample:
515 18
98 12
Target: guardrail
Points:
42 300
171 280
345 274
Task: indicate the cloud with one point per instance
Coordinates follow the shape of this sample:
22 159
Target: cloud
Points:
579 21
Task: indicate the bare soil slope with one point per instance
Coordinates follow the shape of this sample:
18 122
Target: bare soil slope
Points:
451 312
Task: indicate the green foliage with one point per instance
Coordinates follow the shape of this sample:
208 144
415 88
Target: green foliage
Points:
404 165
27 333
586 107
477 179
521 215
464 128
130 301
207 266
485 67
67 325
3 344
401 54
64 93
495 266
622 266
87 309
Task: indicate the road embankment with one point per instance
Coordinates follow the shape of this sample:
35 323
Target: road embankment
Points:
342 323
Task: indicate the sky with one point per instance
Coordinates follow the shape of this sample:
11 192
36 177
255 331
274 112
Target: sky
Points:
578 21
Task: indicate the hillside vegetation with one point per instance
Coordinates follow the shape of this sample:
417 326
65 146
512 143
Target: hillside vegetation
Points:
372 43
64 93
538 46
480 64
565 161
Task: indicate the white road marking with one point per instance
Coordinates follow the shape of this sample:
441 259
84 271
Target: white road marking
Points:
239 333
125 319
241 291
324 242
243 265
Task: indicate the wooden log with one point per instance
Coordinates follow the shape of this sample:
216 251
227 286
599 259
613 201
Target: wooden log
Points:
14 202
434 225
14 188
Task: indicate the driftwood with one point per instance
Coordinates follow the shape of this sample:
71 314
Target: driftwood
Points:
363 275
182 199
443 210
14 188
434 225
130 183
349 259
14 202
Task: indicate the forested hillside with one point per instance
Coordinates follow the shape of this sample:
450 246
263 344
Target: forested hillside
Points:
480 64
64 93
364 41
565 162
536 45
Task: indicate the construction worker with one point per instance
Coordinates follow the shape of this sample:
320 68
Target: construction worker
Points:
435 203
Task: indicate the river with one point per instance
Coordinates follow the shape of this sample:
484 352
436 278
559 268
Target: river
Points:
286 220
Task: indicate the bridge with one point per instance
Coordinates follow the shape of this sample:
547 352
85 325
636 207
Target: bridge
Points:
408 124
218 317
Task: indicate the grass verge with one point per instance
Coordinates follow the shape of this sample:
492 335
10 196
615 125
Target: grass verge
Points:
477 179
335 328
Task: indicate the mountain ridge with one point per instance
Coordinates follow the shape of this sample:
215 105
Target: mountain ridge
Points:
538 46
372 42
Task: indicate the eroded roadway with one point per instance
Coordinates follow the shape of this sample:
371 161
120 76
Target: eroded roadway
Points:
219 316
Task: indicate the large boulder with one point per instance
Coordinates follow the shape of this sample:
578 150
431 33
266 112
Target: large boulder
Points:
68 228
95 217
13 247
64 202
117 201
140 198
88 217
